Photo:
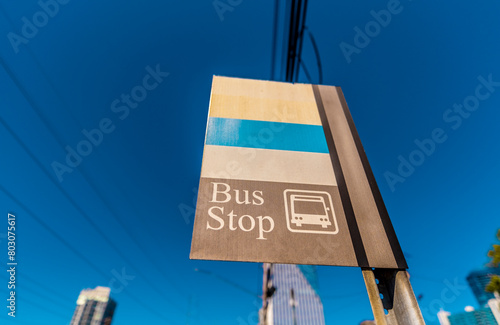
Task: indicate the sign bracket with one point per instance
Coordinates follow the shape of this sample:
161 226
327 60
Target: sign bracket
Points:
393 293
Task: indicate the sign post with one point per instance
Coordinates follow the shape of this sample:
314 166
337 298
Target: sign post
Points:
398 297
285 179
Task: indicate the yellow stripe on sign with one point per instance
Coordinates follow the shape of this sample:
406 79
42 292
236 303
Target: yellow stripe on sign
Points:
268 165
263 100
264 109
262 89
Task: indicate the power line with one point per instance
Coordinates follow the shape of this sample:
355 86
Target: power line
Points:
306 71
293 34
24 276
51 231
72 249
301 40
275 38
296 30
66 195
42 295
17 320
351 295
53 312
316 51
231 283
79 209
51 129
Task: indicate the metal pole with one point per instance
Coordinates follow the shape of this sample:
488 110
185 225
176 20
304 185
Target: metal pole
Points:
397 297
374 296
293 304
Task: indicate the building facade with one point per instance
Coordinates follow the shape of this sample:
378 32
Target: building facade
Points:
291 296
94 307
478 280
488 312
482 316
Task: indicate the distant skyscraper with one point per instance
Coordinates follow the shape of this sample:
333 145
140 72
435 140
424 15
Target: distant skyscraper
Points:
291 296
478 280
483 316
489 307
94 307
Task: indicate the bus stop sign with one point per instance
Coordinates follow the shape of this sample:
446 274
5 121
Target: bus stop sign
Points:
285 179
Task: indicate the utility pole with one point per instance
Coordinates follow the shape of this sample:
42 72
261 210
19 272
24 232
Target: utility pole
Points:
291 31
293 303
394 285
296 9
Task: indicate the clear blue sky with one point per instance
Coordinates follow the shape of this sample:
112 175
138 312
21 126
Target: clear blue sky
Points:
70 72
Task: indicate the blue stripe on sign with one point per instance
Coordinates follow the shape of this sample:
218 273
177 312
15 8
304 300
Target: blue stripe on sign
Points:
266 135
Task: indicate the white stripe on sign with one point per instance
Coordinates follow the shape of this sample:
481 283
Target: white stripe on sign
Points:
268 165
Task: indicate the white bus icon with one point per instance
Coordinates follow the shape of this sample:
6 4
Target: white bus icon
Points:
307 210
299 216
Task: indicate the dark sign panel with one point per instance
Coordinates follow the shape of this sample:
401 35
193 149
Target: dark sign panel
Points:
285 180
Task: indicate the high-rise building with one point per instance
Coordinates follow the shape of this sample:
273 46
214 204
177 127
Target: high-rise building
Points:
482 316
489 306
291 296
478 280
94 307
